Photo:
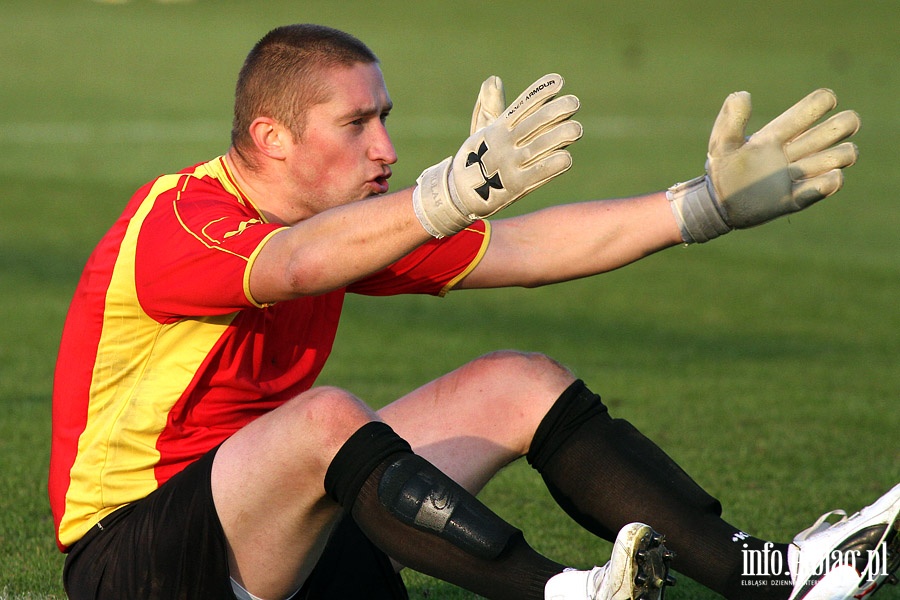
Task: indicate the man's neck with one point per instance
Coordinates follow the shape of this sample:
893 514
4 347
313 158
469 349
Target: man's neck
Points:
254 186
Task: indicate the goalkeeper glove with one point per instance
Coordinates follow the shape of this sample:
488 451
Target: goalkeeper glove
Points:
786 166
511 152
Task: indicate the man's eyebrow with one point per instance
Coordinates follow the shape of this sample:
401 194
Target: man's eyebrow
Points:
369 111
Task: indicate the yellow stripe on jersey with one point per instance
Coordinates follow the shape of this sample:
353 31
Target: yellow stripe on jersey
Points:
124 419
484 246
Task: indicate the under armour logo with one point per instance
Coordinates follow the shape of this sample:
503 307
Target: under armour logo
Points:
740 535
492 181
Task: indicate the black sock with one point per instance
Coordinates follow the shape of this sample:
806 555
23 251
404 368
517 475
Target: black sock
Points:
605 474
424 520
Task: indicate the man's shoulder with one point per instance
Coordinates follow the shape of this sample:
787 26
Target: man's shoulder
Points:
203 186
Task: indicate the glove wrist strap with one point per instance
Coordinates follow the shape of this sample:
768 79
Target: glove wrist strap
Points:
696 211
433 202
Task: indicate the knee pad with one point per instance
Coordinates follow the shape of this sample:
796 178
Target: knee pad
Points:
418 494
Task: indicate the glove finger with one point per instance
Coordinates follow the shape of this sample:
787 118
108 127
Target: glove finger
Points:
837 157
548 141
731 123
800 117
552 165
823 135
546 117
537 174
534 96
810 191
489 105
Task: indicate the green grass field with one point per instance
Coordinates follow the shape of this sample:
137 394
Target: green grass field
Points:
765 362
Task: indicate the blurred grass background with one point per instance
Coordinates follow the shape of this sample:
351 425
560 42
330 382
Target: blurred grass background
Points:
765 362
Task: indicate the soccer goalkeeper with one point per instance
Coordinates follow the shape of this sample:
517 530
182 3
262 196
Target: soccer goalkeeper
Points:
194 456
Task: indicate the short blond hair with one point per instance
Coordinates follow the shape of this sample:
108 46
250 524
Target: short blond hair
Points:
282 77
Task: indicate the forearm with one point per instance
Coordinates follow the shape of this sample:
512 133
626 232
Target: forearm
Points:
571 241
336 247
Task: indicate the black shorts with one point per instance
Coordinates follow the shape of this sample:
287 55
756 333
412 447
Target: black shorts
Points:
170 545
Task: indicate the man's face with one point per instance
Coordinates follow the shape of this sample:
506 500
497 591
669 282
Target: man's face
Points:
344 153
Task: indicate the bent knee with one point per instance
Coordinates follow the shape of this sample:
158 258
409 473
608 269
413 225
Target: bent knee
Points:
328 415
518 382
531 368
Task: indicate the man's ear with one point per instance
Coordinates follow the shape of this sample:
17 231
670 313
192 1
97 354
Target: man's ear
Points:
269 137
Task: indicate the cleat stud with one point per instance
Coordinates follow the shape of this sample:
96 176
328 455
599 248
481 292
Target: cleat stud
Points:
641 554
892 579
640 580
670 580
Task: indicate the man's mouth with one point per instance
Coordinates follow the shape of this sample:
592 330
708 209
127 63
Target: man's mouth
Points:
380 184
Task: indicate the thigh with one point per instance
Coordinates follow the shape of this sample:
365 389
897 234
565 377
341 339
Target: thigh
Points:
352 567
480 417
268 488
167 545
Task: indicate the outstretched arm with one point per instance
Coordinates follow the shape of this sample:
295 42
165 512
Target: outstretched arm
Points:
570 241
786 166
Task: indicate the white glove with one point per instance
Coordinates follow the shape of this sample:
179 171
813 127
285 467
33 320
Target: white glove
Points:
786 166
502 160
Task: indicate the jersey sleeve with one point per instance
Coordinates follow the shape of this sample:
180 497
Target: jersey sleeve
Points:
194 251
197 244
433 268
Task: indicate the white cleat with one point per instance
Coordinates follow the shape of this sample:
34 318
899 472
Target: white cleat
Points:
850 559
638 569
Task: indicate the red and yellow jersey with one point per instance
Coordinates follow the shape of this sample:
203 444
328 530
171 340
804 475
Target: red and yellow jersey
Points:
164 353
